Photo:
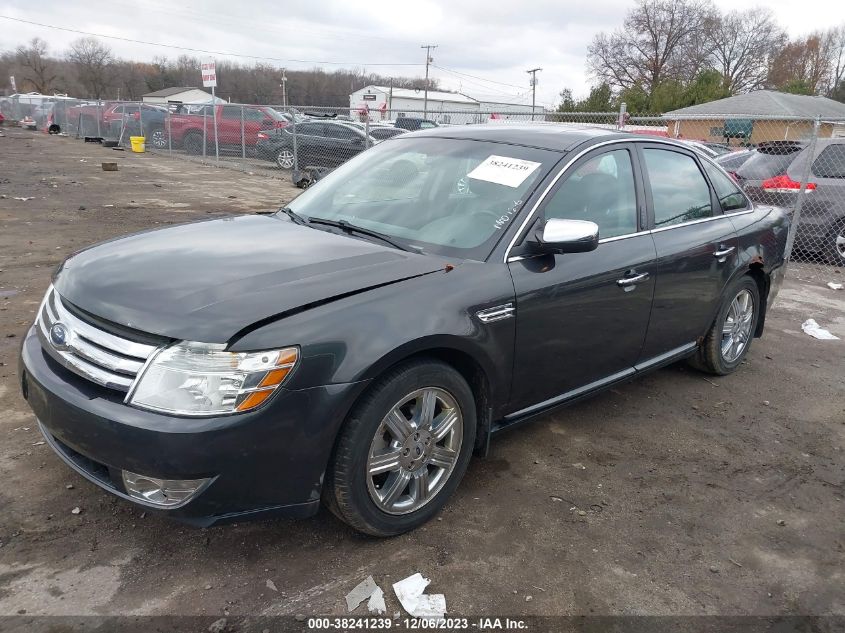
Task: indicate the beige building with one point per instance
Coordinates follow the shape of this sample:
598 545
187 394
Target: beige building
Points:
755 117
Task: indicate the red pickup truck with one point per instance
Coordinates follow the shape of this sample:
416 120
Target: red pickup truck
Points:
186 130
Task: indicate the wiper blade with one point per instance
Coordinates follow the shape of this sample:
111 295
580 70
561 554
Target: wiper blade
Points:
293 215
343 225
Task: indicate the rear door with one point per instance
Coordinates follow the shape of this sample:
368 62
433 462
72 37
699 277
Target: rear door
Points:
696 248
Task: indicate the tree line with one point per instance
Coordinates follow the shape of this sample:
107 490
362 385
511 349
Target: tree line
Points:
669 54
89 69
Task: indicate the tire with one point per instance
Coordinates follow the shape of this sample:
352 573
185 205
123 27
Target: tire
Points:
729 339
836 245
192 143
383 486
157 138
284 158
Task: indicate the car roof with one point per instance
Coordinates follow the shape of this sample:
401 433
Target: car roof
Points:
553 136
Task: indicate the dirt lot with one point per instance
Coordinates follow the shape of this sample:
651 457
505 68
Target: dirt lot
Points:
675 494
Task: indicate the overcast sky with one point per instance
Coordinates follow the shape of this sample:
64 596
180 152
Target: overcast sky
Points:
492 41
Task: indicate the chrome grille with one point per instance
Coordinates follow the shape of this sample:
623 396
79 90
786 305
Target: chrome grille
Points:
102 357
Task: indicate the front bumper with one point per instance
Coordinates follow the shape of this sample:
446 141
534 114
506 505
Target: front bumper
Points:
269 461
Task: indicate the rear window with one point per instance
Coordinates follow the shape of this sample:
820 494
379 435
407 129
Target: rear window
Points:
830 163
763 164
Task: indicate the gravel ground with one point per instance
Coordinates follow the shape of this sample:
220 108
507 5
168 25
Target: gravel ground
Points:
675 494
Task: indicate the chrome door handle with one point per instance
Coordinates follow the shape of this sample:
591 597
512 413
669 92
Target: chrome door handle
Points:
723 254
631 281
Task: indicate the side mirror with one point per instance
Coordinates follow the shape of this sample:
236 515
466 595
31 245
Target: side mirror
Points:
568 236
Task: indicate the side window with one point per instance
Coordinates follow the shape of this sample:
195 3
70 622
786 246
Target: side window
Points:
310 129
602 191
340 132
830 163
679 191
730 197
232 112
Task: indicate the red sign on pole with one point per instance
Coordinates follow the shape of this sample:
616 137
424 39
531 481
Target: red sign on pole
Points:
209 74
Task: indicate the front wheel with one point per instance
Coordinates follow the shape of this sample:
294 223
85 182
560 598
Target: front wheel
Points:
157 138
403 450
729 338
836 248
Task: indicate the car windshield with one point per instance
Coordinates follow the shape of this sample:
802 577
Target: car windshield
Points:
453 197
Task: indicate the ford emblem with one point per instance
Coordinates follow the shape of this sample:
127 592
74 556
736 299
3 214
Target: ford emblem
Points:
59 336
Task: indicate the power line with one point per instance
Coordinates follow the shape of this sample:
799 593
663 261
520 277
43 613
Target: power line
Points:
202 50
501 83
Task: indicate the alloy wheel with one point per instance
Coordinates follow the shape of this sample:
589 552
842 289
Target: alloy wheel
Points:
158 139
839 243
414 451
736 330
284 159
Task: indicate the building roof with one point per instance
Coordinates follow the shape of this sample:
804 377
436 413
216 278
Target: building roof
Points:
433 95
765 103
169 92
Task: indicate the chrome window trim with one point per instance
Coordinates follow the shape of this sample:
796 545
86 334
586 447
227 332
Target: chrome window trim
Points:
565 169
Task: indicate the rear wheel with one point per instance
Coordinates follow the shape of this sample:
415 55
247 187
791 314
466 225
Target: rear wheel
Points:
729 338
284 158
403 450
836 245
193 143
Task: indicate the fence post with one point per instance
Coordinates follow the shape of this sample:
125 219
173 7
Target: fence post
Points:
141 121
98 111
204 131
620 123
805 178
243 140
295 148
169 133
367 131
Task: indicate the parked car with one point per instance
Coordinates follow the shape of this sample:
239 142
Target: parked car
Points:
730 162
379 131
237 127
145 120
413 123
773 176
319 143
359 345
709 149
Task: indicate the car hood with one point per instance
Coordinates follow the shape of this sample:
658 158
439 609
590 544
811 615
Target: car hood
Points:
208 281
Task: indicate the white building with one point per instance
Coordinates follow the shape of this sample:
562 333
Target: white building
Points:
178 95
385 103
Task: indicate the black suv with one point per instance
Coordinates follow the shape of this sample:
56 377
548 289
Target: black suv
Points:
359 345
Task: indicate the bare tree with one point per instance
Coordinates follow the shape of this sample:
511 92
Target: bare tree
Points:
94 63
659 40
837 58
743 45
803 65
38 69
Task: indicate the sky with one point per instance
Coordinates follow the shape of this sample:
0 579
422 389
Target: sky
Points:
484 46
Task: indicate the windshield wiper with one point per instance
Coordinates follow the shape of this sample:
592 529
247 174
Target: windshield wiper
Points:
345 226
293 215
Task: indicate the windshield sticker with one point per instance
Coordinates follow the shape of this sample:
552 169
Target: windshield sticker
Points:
506 217
502 170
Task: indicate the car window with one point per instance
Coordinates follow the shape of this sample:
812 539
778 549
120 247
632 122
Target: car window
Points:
830 163
730 197
232 112
601 191
341 132
454 197
251 114
679 191
768 162
733 160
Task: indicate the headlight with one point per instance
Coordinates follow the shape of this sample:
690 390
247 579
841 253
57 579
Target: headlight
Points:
197 379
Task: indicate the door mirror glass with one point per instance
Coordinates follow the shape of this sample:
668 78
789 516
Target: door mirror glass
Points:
569 236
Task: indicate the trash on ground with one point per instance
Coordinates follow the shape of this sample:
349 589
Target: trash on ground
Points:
816 331
24 198
363 591
835 286
271 585
376 602
109 166
76 510
415 602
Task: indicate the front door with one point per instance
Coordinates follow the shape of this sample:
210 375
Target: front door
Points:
582 318
696 249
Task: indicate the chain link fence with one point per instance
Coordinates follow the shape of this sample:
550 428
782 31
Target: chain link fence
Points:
797 164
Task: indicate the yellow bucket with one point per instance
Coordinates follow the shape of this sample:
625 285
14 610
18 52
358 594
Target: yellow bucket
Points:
138 144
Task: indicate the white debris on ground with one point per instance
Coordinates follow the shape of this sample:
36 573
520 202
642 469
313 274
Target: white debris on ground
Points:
835 286
415 602
271 585
365 590
816 331
376 602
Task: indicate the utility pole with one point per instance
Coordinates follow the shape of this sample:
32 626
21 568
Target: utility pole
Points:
428 60
533 72
284 92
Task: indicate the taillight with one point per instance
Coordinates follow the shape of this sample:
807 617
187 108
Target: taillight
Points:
785 184
262 135
281 124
